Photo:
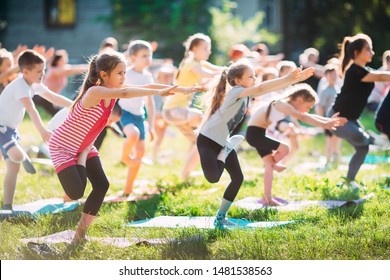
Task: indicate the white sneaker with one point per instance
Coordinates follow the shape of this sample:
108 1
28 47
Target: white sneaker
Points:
233 143
379 140
355 186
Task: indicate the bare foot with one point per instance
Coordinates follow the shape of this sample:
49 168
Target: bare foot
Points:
279 167
271 202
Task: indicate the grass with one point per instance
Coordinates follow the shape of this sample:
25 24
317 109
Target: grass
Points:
354 233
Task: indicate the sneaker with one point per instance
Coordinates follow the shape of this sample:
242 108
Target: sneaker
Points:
379 140
7 207
43 250
355 186
233 143
28 166
224 223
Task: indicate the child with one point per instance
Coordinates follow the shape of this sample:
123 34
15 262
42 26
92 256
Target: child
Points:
356 52
298 104
227 109
133 115
326 99
164 75
14 101
7 70
71 150
193 70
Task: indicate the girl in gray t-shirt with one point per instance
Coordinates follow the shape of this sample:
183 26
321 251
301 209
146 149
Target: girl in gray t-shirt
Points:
227 108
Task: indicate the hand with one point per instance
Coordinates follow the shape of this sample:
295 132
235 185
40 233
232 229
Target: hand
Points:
307 73
166 91
342 120
39 88
194 89
46 134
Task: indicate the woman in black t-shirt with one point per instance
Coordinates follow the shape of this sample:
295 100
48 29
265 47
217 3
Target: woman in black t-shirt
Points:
359 80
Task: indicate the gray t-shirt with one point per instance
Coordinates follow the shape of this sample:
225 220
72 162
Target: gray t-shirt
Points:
327 97
11 108
226 118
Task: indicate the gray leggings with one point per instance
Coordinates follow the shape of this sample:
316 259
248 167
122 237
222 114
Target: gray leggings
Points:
355 135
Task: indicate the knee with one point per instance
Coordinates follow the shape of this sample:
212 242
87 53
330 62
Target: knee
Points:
75 194
212 177
284 148
238 178
104 187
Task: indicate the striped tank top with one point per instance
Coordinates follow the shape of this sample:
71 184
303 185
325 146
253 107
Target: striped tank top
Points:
77 132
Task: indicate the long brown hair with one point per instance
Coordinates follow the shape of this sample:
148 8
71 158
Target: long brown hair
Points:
235 71
349 47
106 62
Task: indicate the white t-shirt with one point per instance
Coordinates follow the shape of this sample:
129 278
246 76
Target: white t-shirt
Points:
135 105
11 108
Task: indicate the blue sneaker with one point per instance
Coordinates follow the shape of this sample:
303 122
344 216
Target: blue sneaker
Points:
224 223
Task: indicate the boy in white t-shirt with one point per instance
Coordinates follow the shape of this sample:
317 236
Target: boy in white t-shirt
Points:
133 114
15 100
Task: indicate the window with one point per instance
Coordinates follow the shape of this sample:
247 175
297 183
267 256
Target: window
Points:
60 13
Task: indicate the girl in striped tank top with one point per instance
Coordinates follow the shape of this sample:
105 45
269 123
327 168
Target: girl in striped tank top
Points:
71 145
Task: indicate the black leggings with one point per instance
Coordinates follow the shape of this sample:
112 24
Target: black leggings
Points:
257 138
213 168
74 180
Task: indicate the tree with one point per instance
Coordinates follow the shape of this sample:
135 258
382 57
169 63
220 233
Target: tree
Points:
228 29
167 22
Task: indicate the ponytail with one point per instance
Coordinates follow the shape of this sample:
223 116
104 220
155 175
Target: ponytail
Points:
92 78
106 62
345 56
350 47
219 94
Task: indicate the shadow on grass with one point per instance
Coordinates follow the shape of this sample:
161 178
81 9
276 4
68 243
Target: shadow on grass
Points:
143 209
347 212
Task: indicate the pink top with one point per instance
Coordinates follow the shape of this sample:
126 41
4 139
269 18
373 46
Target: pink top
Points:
55 82
77 132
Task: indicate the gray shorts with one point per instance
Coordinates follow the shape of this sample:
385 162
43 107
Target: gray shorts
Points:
9 138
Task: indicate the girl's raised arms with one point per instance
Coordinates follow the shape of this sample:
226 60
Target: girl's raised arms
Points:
312 119
294 77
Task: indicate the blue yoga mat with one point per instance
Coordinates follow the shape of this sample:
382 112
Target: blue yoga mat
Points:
204 222
39 207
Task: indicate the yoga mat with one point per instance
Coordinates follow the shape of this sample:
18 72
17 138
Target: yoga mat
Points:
204 222
131 198
254 203
39 207
120 242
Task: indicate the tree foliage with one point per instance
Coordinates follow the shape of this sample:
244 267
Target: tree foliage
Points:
167 22
228 29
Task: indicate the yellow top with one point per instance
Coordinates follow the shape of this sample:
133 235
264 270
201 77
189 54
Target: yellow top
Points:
186 78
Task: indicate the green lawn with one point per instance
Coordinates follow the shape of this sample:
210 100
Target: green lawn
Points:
359 232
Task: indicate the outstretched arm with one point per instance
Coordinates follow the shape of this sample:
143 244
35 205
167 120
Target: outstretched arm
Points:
51 96
295 76
377 76
312 119
179 89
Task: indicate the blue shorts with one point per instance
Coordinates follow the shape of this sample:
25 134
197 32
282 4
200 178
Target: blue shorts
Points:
136 120
9 138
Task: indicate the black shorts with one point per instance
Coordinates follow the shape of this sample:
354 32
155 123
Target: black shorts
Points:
256 137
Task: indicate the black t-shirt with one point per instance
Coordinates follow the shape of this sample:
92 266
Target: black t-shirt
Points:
352 99
383 113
